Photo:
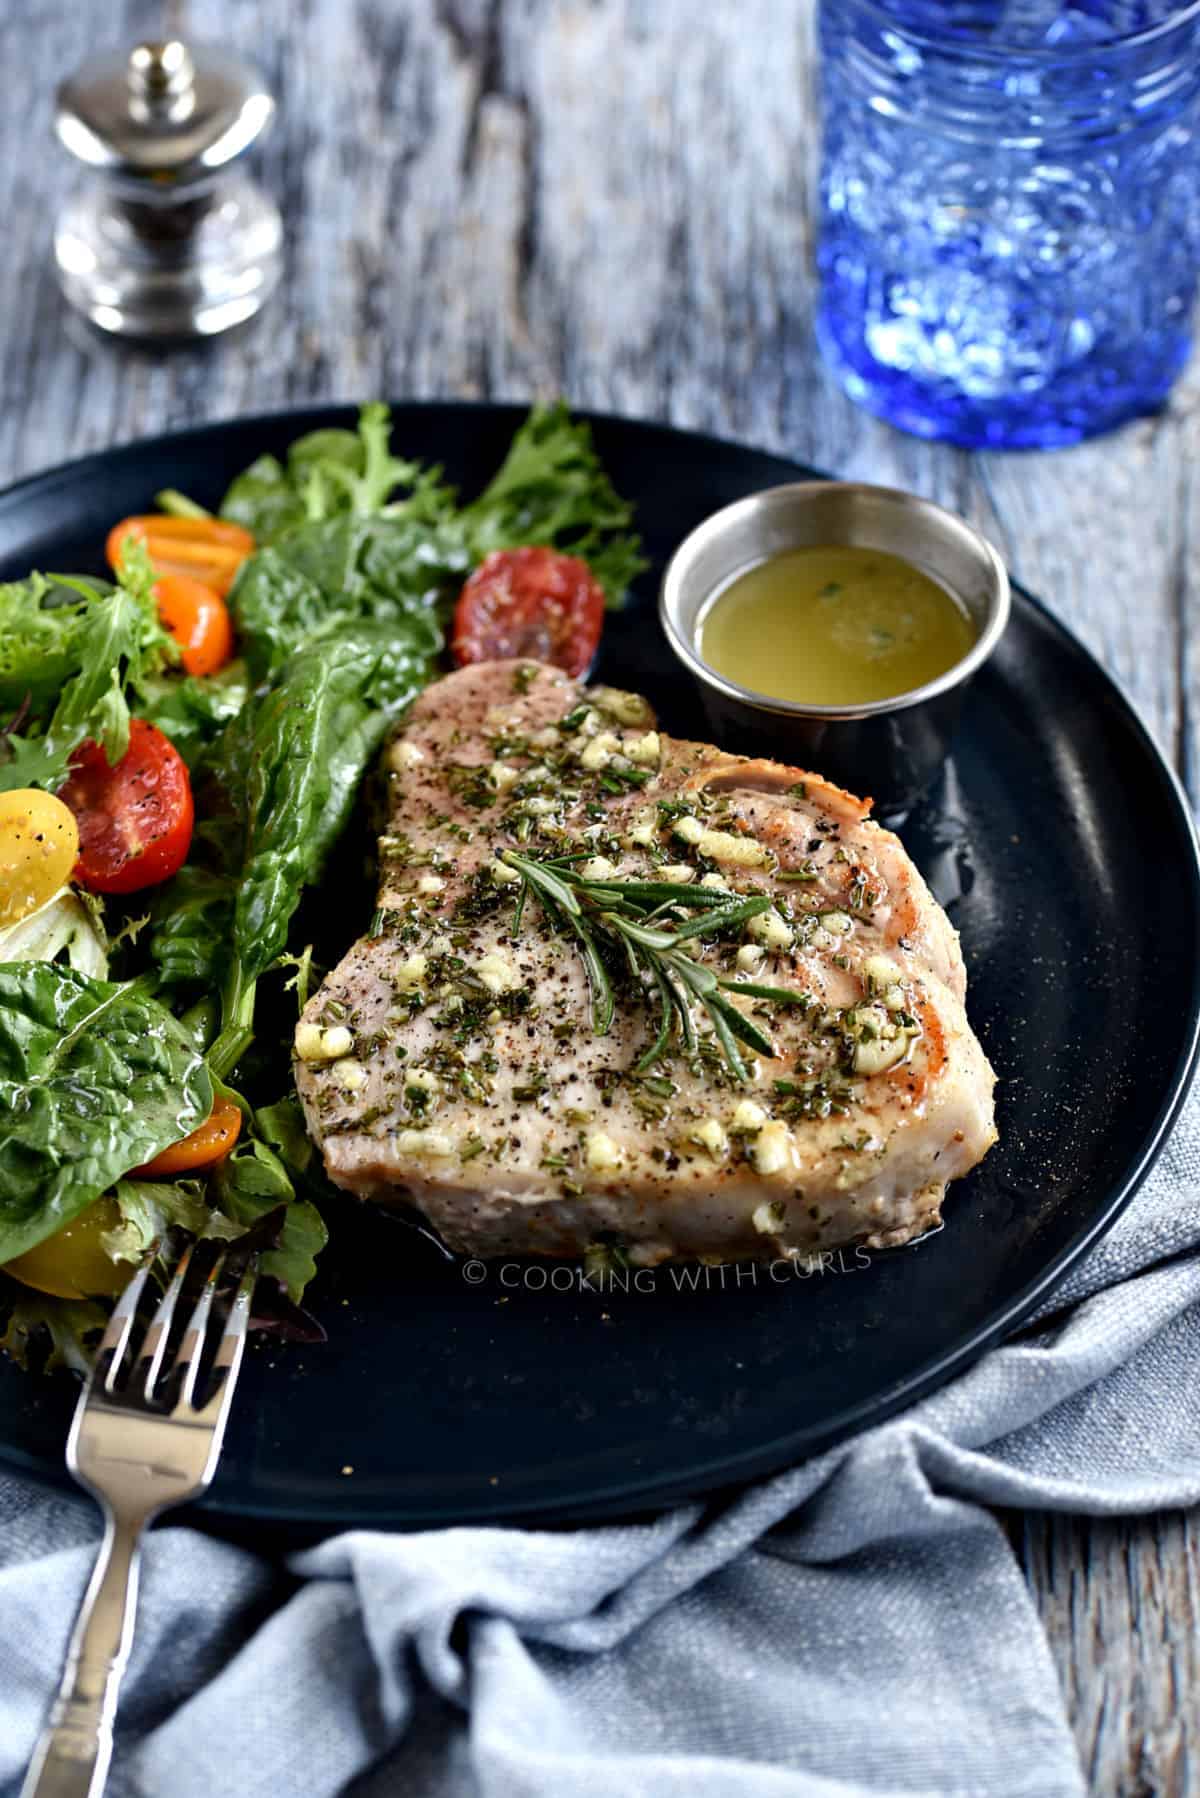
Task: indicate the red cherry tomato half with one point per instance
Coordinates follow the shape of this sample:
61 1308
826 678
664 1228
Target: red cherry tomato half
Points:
529 602
135 820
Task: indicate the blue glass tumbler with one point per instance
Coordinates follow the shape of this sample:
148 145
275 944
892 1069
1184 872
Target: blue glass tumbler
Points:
1010 211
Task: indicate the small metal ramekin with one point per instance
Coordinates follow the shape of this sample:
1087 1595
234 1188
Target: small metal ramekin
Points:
891 748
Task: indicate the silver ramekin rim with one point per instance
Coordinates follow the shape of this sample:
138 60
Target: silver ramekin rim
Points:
954 676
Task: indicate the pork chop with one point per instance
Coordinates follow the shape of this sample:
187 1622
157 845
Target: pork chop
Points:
453 1062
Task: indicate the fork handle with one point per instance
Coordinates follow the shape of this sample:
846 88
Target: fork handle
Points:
74 1750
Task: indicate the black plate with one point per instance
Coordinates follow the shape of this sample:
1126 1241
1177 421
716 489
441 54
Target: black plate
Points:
1061 842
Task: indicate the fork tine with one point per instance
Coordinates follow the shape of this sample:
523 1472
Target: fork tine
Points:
191 1348
155 1346
229 1352
115 1341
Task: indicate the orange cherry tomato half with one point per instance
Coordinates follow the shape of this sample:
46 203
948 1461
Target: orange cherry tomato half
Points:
210 1143
207 549
135 820
198 619
529 602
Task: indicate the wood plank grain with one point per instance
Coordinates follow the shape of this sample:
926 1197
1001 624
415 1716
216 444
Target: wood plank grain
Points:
614 199
1118 1599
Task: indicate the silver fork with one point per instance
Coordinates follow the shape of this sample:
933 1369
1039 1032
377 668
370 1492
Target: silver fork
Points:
139 1444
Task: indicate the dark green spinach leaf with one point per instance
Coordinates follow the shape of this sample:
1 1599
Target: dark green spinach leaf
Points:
95 1078
325 576
190 921
288 766
193 709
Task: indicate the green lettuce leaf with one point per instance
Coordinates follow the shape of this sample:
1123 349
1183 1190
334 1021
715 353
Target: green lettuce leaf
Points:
95 1078
113 644
282 1125
40 626
42 1333
552 489
327 472
149 1208
251 1182
336 552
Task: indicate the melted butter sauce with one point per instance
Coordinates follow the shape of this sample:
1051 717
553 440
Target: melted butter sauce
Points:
833 625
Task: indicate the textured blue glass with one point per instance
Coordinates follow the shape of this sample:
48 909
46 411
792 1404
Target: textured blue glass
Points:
1010 211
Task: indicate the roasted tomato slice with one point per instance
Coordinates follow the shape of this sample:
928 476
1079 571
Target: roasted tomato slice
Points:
198 619
135 820
529 602
209 1143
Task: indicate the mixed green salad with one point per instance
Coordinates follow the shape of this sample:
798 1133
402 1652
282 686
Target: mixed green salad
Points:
181 754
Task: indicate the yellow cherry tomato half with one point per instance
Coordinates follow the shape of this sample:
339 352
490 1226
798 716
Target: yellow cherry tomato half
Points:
73 1263
39 843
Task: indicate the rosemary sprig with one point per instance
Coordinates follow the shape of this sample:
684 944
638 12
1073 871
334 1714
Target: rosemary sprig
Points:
641 919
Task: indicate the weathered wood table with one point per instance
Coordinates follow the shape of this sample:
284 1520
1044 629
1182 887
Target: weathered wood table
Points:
611 199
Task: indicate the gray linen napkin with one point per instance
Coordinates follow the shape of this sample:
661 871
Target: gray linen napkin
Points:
858 1625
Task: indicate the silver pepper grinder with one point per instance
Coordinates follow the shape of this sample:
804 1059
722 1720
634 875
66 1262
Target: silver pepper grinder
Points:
171 239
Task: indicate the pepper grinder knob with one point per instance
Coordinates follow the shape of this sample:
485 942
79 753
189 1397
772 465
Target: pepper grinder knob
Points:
170 239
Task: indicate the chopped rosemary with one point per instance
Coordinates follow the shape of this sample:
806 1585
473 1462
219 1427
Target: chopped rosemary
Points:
616 777
640 920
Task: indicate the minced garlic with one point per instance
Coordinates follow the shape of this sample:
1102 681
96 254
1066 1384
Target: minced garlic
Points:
437 1144
645 751
710 1134
411 972
404 755
349 1073
769 929
600 751
747 1116
497 974
315 1044
602 1154
772 1148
